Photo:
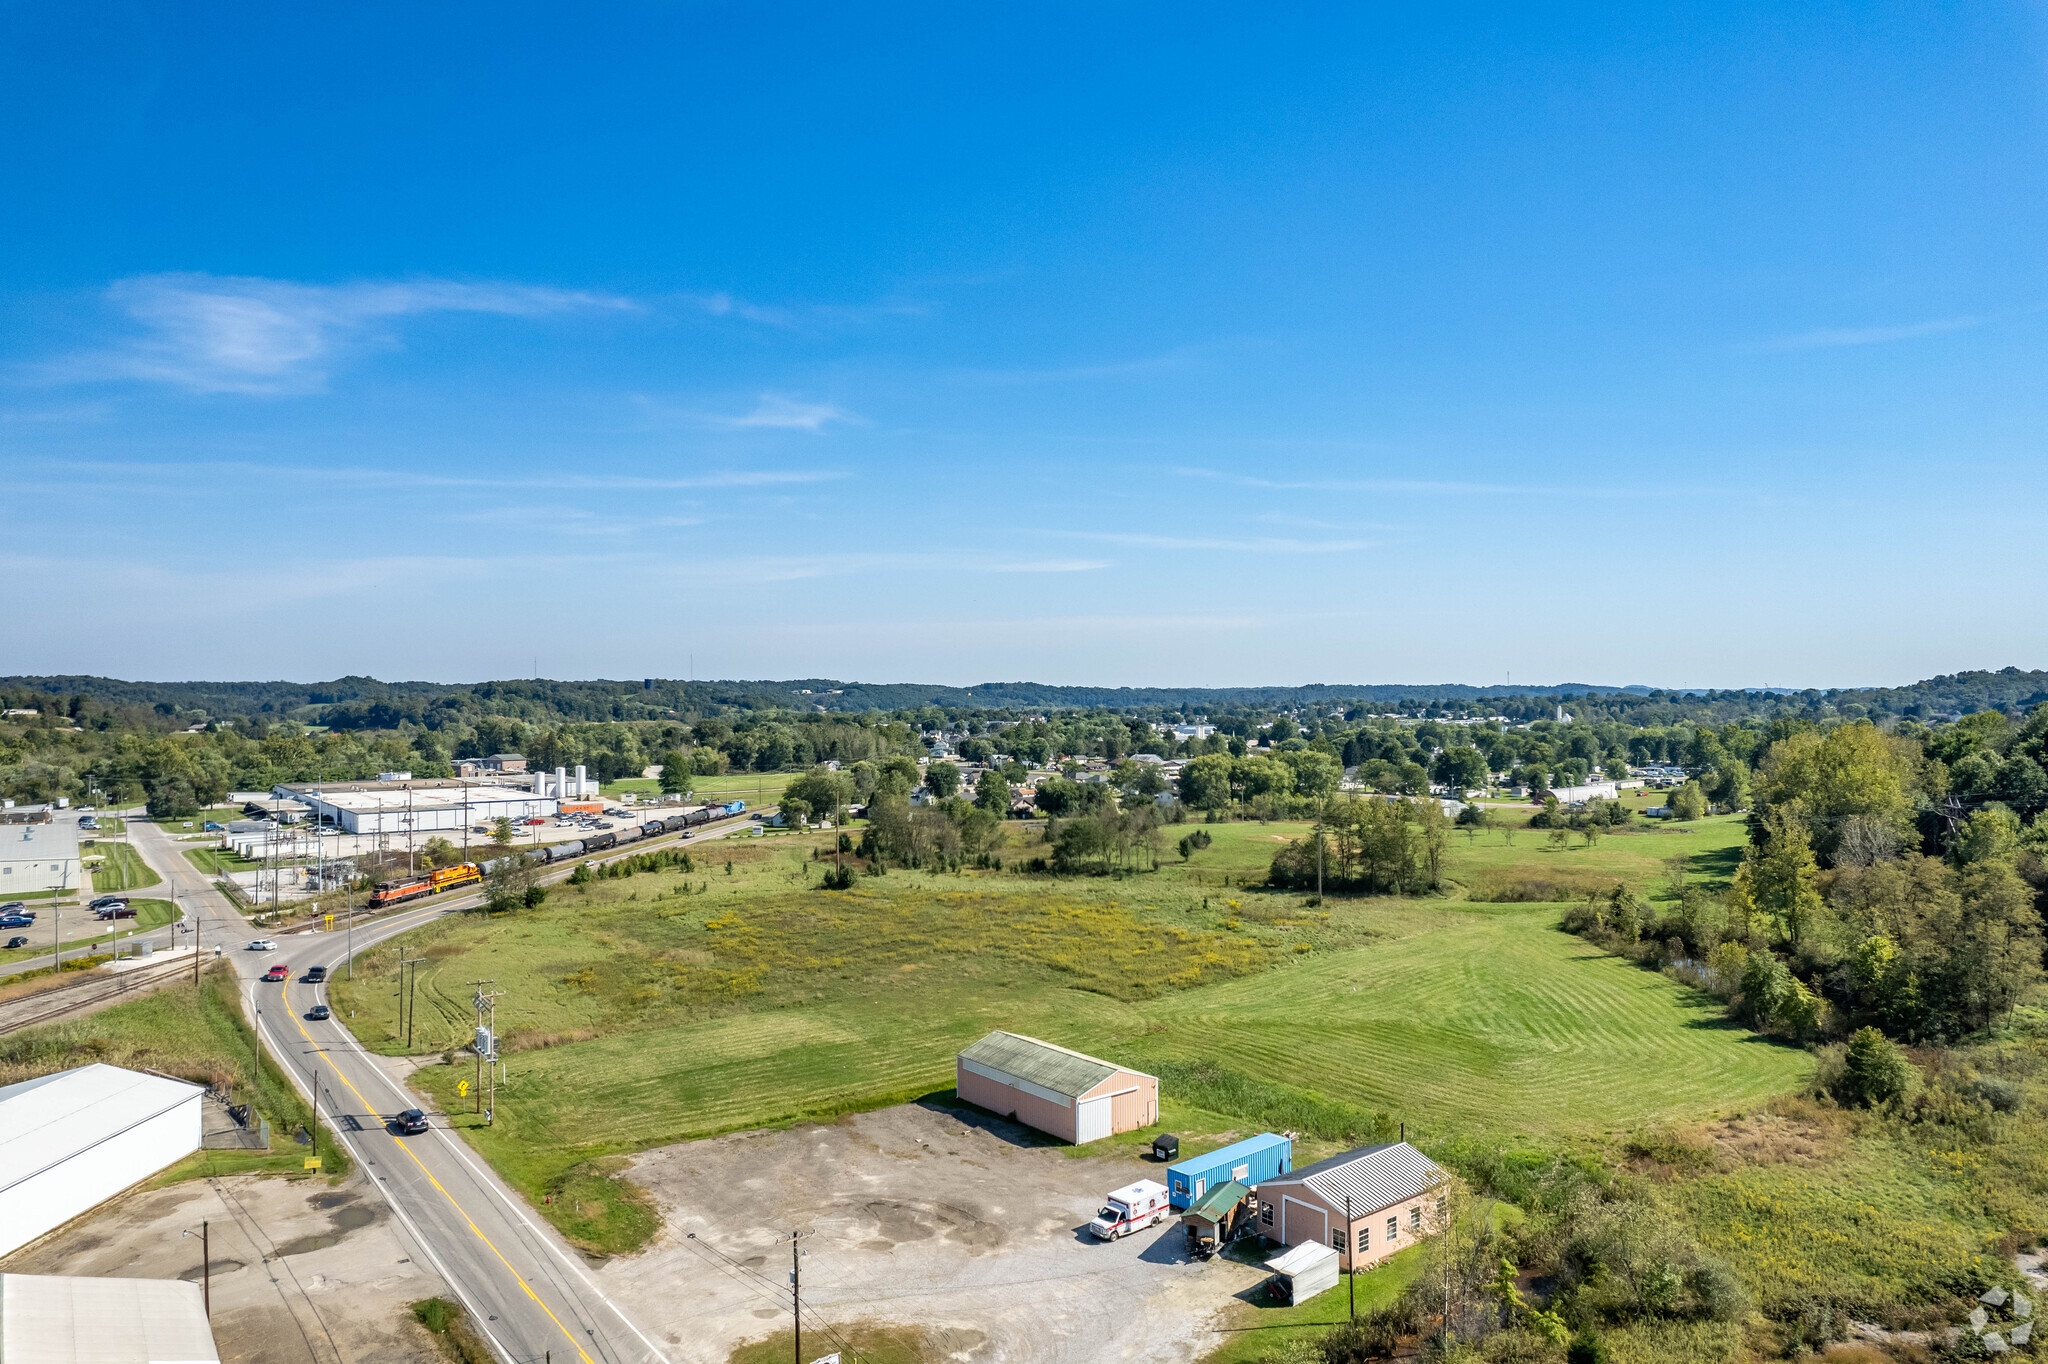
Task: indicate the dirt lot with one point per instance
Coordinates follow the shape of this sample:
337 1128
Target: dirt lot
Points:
923 1216
301 1270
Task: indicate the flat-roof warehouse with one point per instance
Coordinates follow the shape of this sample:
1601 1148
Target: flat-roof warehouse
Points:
368 807
71 1139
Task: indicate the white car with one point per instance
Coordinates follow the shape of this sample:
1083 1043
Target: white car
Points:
262 945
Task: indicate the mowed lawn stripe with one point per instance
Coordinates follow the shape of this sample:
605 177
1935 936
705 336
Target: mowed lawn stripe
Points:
1502 1021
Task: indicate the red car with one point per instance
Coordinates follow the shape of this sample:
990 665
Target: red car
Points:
278 972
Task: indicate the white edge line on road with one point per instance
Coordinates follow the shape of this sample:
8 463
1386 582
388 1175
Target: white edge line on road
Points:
392 928
489 1181
421 1243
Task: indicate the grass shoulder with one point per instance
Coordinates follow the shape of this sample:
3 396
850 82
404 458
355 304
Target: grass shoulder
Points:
121 868
196 1033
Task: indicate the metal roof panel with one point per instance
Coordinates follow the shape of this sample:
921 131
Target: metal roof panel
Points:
1045 1064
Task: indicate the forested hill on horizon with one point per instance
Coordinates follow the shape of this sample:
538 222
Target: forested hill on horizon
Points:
367 703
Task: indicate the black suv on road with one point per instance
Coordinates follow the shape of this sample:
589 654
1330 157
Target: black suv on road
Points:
412 1122
315 974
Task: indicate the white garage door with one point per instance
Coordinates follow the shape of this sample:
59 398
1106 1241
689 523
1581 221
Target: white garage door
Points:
1091 1119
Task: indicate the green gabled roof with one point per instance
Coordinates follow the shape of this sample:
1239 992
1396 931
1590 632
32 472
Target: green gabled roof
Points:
1042 1063
1218 1201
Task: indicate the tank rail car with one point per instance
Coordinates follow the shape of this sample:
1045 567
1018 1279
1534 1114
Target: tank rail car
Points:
653 828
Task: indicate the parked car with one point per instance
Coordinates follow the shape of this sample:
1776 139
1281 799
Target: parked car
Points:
412 1122
536 821
12 906
123 910
103 901
213 828
277 972
17 941
315 974
261 945
16 921
319 1013
479 828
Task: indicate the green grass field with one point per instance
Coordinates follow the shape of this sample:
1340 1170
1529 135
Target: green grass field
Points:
756 788
122 869
218 861
640 1011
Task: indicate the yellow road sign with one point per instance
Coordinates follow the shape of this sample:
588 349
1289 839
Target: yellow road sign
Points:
462 1088
330 921
312 1162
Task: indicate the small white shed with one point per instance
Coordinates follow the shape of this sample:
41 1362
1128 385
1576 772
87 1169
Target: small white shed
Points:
71 1140
1306 1270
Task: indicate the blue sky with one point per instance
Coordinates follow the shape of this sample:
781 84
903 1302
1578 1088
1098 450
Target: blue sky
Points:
1116 344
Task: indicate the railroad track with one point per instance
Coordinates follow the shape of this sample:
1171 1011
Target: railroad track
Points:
58 1001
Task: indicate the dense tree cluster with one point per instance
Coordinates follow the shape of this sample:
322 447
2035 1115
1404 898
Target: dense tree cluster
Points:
1873 893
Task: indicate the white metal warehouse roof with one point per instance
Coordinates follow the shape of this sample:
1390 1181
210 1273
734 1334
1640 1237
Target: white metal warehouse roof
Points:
103 1321
1043 1064
1375 1177
48 1120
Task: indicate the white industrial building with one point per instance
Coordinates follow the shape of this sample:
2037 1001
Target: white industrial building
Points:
37 857
404 806
70 1141
104 1321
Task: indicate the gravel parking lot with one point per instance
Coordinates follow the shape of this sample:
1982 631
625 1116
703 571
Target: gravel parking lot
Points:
923 1216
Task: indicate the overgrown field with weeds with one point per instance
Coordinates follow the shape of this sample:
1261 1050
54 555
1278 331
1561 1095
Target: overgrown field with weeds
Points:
686 1002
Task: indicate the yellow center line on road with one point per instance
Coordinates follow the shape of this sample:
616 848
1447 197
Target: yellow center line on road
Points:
284 997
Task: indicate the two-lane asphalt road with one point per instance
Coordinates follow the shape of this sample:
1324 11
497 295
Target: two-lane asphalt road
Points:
529 1293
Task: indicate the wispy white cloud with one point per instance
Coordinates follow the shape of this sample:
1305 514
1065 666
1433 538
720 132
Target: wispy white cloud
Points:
1868 336
773 412
187 471
1445 487
1258 545
1177 358
795 568
804 316
233 334
555 519
1048 566
1355 485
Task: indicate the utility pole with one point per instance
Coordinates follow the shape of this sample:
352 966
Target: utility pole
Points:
796 1284
485 1044
348 909
195 937
1350 1246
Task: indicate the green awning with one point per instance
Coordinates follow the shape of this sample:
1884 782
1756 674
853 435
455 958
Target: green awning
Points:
1218 1201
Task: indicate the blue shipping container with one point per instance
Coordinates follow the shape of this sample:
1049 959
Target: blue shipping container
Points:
1247 1162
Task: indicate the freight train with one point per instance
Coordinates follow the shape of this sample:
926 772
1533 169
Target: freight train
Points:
429 883
653 828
